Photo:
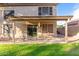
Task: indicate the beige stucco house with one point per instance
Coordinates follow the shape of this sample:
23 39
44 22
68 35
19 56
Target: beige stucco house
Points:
22 20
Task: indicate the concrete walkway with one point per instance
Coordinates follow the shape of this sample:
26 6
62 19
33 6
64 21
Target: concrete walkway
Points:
43 40
34 41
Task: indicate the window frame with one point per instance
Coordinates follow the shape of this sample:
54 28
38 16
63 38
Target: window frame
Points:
6 14
41 9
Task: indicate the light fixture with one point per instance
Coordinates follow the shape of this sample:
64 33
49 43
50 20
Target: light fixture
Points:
4 22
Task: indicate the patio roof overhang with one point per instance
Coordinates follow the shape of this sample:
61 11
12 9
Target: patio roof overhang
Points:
27 4
24 18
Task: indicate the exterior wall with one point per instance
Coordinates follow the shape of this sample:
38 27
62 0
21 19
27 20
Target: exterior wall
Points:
26 11
55 21
21 28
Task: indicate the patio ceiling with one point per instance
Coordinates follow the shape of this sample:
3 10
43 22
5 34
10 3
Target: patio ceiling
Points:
24 18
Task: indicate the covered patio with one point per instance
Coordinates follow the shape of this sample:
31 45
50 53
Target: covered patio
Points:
40 19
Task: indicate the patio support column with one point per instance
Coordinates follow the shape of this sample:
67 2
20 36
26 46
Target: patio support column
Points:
38 30
14 32
66 29
55 28
2 29
26 32
3 19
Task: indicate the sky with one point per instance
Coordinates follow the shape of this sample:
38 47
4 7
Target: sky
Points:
66 9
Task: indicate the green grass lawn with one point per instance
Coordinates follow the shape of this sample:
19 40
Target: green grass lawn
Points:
39 49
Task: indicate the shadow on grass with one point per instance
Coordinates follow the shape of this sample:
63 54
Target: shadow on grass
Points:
47 50
13 50
74 51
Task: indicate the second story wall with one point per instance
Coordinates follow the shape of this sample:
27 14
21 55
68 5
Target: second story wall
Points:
25 11
28 10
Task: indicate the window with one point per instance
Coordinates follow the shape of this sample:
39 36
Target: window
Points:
32 30
7 28
44 28
47 28
50 28
45 11
8 13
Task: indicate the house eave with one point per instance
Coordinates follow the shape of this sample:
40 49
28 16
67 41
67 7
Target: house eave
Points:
24 18
27 4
